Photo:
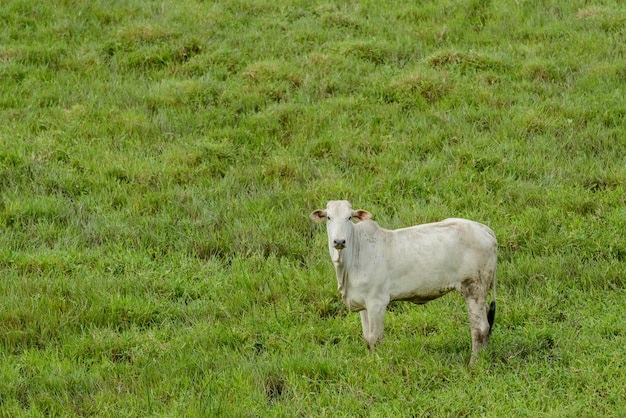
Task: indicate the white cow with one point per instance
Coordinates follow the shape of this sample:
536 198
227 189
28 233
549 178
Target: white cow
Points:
375 266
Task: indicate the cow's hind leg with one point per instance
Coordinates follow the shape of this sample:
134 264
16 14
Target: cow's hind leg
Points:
479 323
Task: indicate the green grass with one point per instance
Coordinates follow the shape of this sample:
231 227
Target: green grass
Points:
158 161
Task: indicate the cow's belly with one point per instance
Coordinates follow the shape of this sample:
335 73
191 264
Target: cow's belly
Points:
419 297
412 289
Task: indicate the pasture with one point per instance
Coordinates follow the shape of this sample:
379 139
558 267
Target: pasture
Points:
159 159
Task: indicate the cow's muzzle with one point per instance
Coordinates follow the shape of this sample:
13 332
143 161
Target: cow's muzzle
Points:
339 244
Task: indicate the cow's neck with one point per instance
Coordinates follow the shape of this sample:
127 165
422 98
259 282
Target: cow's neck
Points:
346 263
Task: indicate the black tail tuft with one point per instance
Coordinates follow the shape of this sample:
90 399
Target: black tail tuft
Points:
491 315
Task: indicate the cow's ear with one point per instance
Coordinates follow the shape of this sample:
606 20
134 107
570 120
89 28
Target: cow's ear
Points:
318 215
360 215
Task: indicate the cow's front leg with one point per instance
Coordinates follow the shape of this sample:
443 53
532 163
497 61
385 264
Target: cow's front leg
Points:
375 321
366 326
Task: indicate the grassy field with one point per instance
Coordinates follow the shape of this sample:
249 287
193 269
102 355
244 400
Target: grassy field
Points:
159 159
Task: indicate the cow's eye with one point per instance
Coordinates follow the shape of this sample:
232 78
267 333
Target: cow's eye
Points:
328 218
349 218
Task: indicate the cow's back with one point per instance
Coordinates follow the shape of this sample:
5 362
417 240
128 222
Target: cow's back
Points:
431 259
472 232
474 239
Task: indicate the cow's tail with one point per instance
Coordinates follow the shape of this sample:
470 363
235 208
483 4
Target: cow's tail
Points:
491 313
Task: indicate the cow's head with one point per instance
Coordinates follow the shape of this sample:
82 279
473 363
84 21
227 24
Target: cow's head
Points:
339 216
